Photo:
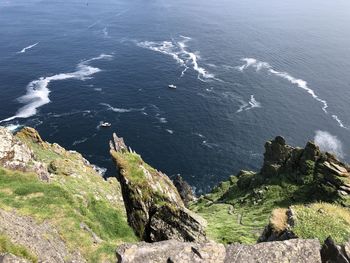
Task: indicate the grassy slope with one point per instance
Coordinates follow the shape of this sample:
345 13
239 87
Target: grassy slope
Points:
6 246
54 203
75 194
239 209
322 220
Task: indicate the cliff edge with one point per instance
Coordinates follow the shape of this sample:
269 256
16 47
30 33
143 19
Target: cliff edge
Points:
56 207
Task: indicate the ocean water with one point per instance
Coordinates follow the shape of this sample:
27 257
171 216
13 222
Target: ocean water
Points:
245 72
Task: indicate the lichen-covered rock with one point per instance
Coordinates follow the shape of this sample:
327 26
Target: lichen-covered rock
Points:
329 175
276 154
17 155
296 251
171 251
154 207
14 154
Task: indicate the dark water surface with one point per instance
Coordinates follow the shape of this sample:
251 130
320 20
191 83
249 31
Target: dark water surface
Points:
245 72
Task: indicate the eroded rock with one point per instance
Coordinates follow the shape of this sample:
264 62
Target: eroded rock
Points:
154 207
307 165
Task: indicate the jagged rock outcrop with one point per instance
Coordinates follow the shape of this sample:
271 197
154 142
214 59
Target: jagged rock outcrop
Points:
16 155
184 189
154 207
309 164
296 251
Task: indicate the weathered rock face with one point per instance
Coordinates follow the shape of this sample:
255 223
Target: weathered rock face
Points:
331 175
296 251
154 207
16 155
276 154
171 251
184 189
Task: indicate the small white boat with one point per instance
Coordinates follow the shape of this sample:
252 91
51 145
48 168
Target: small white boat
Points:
171 86
106 124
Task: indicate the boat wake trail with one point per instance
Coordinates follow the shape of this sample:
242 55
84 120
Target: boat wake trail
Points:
38 92
121 110
26 48
259 65
178 50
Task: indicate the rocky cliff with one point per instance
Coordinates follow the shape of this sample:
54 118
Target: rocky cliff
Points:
154 207
291 179
56 207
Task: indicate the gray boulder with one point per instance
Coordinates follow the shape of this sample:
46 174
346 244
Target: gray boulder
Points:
295 250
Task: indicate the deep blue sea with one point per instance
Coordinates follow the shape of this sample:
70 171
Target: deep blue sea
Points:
245 72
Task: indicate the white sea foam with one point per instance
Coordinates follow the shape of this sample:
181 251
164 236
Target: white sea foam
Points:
170 131
80 141
94 24
259 65
242 106
38 92
193 59
121 110
252 103
164 47
209 144
340 123
59 115
178 50
330 143
13 127
162 119
105 32
26 48
100 170
199 135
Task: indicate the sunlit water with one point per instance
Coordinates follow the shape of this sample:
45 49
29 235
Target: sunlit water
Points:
245 72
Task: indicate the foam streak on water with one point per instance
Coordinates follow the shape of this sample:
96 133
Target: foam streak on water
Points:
121 110
259 65
38 90
26 48
178 50
252 103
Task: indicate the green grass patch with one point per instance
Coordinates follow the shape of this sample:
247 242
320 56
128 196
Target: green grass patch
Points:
239 209
6 246
57 204
321 220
